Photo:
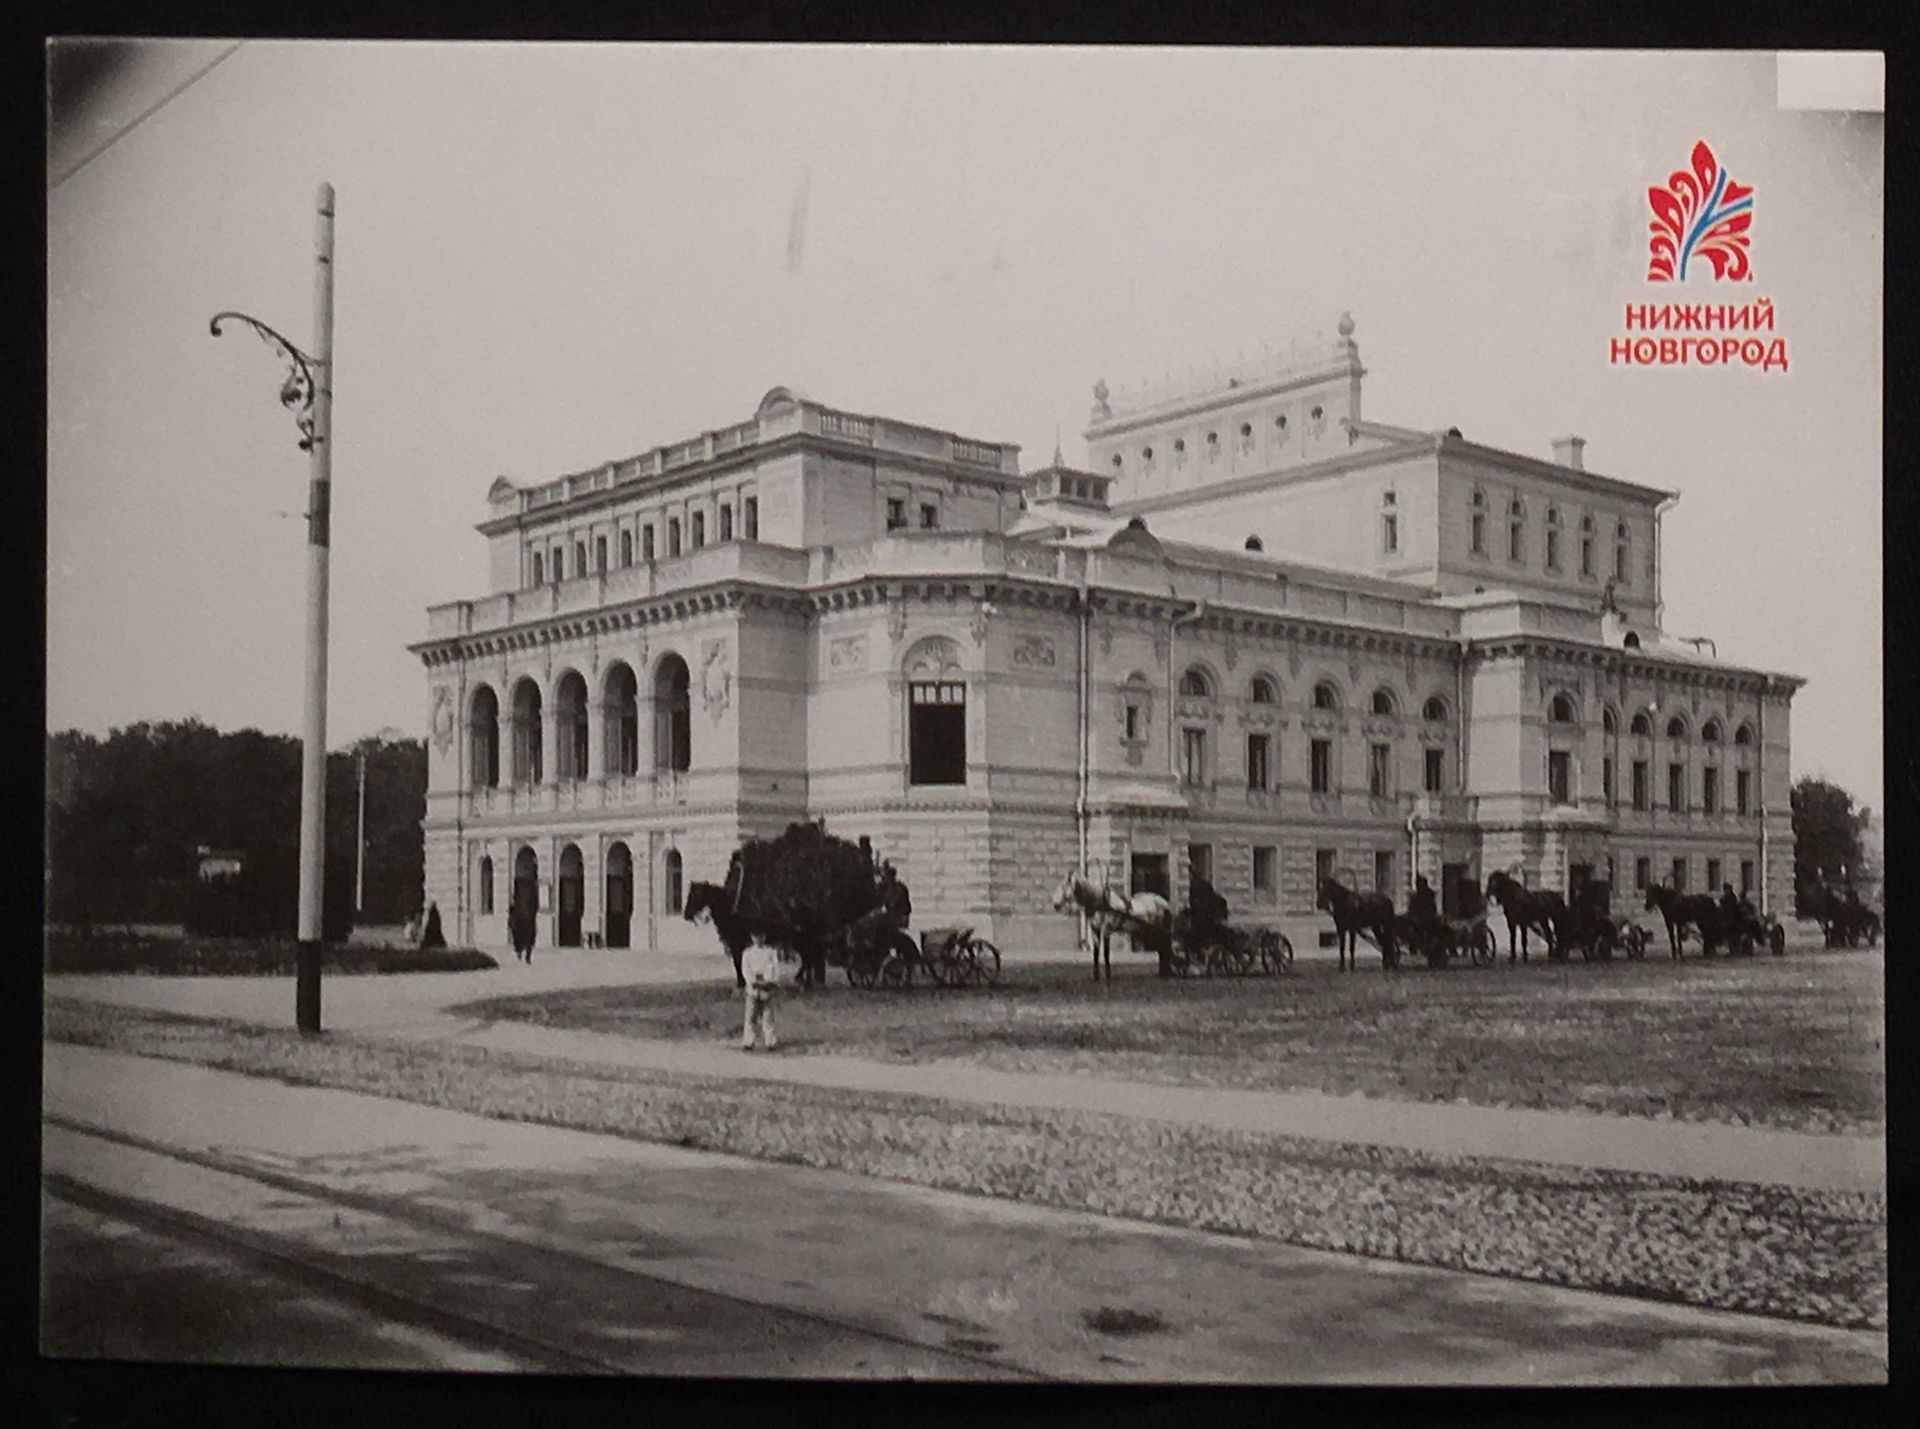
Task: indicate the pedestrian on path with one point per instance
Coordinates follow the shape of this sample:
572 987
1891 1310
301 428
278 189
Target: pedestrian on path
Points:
760 965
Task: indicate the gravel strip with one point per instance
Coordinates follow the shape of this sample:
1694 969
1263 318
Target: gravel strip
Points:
1810 1255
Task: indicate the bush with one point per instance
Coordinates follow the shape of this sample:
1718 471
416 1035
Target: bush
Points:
76 950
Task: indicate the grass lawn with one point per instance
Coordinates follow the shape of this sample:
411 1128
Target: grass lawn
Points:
1793 1043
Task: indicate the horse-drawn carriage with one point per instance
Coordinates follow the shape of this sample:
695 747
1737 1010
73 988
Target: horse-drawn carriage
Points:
1845 919
1588 927
1726 922
1443 940
1205 942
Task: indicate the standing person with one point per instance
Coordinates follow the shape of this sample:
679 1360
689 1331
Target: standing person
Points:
760 964
520 929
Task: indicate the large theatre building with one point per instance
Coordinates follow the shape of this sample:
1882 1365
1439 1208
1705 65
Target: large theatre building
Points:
1260 639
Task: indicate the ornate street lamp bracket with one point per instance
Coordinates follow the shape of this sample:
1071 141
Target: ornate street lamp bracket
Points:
296 393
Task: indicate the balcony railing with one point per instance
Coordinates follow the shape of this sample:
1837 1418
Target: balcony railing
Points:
840 424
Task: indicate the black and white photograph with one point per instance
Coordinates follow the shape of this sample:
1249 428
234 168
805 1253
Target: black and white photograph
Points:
1053 715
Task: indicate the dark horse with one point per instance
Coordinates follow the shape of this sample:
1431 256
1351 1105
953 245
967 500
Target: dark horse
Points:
1527 910
1357 913
1681 911
711 900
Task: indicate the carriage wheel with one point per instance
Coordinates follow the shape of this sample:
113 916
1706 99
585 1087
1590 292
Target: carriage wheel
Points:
940 969
1276 952
896 972
987 961
1484 948
1636 942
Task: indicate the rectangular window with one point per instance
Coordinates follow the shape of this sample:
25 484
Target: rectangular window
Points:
1553 550
726 522
626 548
1200 860
752 515
1620 564
699 529
1322 867
486 886
937 732
929 517
1642 873
1133 720
1642 793
1742 790
579 558
1479 534
1516 542
1710 790
896 513
1560 776
600 554
646 542
1606 779
673 535
1258 775
1383 872
1746 877
1390 533
1713 875
1193 744
1436 770
1378 770
1680 875
1676 788
1586 555
1320 770
539 575
1266 860
557 568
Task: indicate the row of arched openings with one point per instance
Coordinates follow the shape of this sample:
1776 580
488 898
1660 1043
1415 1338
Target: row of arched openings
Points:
571 891
1642 725
671 708
1196 683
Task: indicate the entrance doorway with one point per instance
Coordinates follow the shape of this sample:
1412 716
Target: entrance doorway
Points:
1579 875
573 896
1452 876
526 883
619 897
1149 874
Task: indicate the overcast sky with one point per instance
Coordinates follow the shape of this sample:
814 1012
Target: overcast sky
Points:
550 256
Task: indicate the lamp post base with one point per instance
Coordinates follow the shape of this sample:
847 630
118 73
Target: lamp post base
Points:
307 986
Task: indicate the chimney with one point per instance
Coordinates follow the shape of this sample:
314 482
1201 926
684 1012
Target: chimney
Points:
1567 452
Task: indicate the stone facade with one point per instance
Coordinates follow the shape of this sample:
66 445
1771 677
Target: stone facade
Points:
1433 696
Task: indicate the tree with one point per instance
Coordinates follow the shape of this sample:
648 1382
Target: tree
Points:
1826 836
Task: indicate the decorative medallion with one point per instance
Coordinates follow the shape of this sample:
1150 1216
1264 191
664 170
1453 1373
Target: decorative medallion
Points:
847 652
1033 650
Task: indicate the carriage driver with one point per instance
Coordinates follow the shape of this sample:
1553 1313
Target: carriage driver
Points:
760 966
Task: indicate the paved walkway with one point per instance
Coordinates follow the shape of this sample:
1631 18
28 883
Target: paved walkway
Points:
415 1008
654 1259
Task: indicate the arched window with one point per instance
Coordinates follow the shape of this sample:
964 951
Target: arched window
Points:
1435 709
1586 545
571 897
1479 523
1389 523
570 727
1325 696
483 738
1609 721
1263 691
1516 530
1676 728
936 713
621 693
539 571
1641 724
1561 711
672 716
483 878
1621 553
1553 538
1383 701
1743 735
527 764
673 880
1710 732
1632 642
1196 684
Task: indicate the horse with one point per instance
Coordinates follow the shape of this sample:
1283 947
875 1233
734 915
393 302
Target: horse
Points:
1145 916
710 900
1537 910
1357 913
1681 911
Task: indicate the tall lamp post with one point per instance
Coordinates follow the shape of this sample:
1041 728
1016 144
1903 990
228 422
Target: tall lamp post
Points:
308 394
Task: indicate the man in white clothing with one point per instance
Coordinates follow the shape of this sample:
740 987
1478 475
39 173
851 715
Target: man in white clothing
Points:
760 966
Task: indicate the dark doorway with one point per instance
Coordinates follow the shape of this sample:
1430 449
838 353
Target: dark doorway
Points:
619 897
1579 875
1452 876
573 896
1150 875
526 881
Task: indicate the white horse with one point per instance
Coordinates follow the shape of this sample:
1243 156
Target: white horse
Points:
1146 916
